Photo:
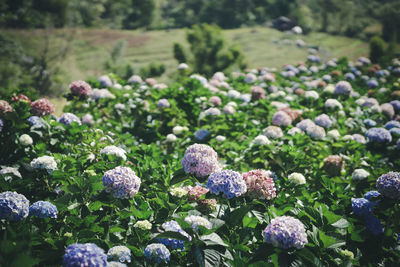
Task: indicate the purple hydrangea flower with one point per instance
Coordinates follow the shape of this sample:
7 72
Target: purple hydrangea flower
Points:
68 118
305 124
229 183
105 81
173 226
36 121
392 124
200 160
323 120
43 209
380 135
13 206
285 232
343 88
157 252
374 225
281 118
80 88
122 182
371 194
369 122
389 185
350 76
88 254
361 206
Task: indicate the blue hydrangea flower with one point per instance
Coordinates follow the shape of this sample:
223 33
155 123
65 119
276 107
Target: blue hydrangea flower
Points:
395 104
229 183
343 88
68 118
201 134
395 131
389 185
392 124
119 253
323 120
380 135
13 206
285 232
173 226
88 254
36 121
374 225
372 83
369 122
371 194
157 252
43 209
361 206
122 182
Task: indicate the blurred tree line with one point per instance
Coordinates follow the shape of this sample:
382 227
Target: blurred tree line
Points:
345 17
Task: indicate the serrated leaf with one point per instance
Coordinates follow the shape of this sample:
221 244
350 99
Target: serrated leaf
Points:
213 239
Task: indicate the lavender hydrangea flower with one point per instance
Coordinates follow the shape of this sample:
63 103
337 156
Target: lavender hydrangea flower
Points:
380 135
372 83
173 226
305 124
343 88
281 118
350 76
196 221
229 183
361 206
36 121
13 206
389 185
369 122
157 252
285 232
105 81
201 134
68 118
374 225
163 103
88 254
395 104
122 182
43 209
371 194
200 160
323 120
119 253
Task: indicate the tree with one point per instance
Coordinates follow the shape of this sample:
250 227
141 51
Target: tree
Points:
140 14
209 52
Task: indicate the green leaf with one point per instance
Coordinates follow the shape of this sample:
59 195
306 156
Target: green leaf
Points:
212 257
307 255
213 239
342 223
326 240
173 235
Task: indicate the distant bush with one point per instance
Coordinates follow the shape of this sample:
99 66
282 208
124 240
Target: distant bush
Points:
154 69
209 53
377 48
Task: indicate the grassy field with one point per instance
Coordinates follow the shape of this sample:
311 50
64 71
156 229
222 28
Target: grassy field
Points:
89 48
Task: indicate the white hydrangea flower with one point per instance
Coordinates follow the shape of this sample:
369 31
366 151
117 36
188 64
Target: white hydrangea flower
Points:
144 225
334 134
312 94
171 138
177 130
360 174
197 221
9 172
47 163
115 151
25 140
261 140
333 103
297 178
177 192
220 138
294 131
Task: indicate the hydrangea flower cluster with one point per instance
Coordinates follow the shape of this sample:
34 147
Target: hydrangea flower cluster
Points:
144 225
215 100
200 160
5 107
21 97
227 182
68 118
119 253
379 135
101 93
333 165
13 206
88 119
9 172
359 174
343 88
173 226
297 178
43 209
195 193
42 107
196 221
285 232
80 88
389 185
281 118
122 182
115 151
201 134
25 140
47 163
157 252
178 192
257 92
273 132
261 140
163 103
259 184
36 121
88 254
323 120
361 206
